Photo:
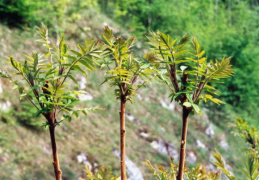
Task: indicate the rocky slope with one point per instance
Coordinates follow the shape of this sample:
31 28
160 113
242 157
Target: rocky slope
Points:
153 124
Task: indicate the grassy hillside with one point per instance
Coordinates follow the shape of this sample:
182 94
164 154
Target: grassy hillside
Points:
153 125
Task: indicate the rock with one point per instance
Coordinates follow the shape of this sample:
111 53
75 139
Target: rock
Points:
201 145
211 167
209 131
144 134
138 122
130 117
133 171
167 105
82 83
212 158
46 150
139 96
85 97
167 149
191 157
162 129
147 98
81 158
4 158
5 106
223 143
96 165
138 45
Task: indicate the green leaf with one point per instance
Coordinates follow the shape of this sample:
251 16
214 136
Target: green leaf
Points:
22 96
202 60
201 54
108 35
87 64
78 68
219 162
187 104
189 98
210 97
220 70
144 66
81 48
73 79
196 108
76 53
70 57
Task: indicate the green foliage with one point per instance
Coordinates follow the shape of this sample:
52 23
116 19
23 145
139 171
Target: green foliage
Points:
251 159
44 76
52 13
103 173
15 12
221 28
168 53
127 68
198 173
220 163
249 133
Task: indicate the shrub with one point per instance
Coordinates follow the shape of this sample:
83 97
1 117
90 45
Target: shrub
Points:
250 160
43 82
16 12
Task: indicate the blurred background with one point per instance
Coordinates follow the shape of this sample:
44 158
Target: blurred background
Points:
223 28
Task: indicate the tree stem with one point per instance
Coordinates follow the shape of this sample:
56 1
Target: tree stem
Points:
122 138
54 152
185 114
183 143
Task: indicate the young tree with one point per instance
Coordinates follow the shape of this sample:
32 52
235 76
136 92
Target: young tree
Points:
165 57
250 161
44 84
123 75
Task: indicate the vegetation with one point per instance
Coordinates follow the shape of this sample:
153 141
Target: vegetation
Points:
101 174
124 76
166 55
198 173
221 29
46 88
250 162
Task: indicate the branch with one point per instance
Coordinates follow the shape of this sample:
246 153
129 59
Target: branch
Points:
171 71
184 82
174 77
107 64
201 86
73 66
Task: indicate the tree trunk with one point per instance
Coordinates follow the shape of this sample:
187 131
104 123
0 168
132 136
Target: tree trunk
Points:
54 152
185 114
183 143
122 138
